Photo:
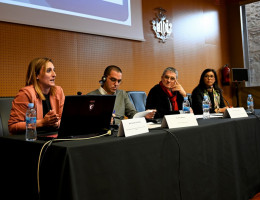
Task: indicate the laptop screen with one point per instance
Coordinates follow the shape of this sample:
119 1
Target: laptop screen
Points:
86 114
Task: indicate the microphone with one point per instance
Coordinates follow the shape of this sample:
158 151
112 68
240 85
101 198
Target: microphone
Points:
221 90
224 98
226 101
79 93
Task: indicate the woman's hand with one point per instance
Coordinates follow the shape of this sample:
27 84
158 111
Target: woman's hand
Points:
51 119
220 110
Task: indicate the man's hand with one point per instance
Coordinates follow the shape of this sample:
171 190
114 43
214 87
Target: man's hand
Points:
179 88
112 119
150 115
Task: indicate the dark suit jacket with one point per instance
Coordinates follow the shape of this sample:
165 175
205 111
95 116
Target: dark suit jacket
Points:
158 99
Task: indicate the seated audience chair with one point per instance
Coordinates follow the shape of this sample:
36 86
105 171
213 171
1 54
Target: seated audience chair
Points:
1 127
5 108
138 98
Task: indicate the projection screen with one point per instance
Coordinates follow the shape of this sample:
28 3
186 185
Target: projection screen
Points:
114 18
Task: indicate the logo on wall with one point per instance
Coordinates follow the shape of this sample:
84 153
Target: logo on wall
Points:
161 26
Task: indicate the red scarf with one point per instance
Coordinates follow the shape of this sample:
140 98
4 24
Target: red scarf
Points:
172 97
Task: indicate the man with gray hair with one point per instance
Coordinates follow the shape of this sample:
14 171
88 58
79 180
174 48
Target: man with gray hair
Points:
167 96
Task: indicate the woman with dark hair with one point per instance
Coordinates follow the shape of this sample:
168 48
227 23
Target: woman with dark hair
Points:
208 86
41 90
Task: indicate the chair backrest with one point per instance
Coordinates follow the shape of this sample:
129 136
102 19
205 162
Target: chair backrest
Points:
1 127
138 98
5 108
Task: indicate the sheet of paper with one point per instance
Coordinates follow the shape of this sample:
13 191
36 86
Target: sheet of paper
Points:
212 115
152 125
199 116
142 114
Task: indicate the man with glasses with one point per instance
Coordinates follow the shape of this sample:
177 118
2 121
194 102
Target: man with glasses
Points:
110 82
167 96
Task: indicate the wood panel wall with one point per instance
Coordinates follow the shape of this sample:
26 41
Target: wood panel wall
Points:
236 56
200 40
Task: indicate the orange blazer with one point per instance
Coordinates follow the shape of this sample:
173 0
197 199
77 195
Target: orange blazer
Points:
16 123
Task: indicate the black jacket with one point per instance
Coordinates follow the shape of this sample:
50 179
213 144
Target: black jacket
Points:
158 99
197 98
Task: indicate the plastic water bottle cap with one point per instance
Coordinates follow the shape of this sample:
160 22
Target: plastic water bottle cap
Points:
185 98
30 105
205 97
250 95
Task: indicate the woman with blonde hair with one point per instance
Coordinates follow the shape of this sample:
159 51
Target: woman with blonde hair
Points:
41 90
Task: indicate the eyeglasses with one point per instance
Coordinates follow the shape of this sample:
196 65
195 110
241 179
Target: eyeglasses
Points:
115 80
169 77
209 76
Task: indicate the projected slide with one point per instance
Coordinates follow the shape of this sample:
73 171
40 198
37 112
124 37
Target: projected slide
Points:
115 18
116 11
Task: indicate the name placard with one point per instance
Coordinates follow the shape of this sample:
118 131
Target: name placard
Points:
130 127
235 113
179 120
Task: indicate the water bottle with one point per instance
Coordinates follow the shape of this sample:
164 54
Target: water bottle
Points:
31 133
206 107
186 105
250 104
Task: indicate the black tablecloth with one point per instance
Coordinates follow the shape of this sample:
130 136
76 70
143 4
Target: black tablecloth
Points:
220 160
217 160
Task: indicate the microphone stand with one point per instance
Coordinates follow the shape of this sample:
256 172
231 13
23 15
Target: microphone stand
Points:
226 101
225 98
237 91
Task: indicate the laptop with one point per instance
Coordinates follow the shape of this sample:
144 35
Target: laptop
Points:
83 116
86 115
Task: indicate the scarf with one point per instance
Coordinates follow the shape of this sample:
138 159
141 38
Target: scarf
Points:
172 97
216 96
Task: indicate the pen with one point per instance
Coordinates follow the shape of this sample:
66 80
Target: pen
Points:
114 115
